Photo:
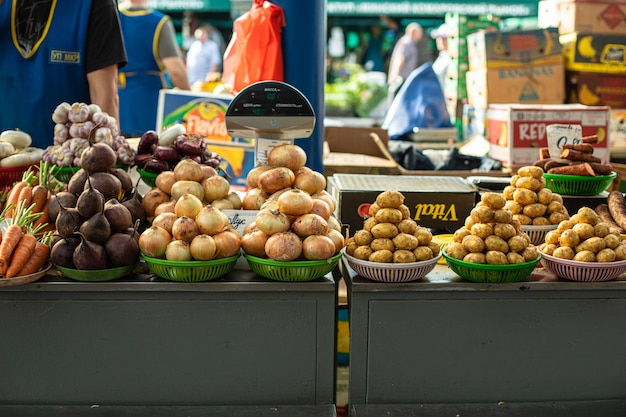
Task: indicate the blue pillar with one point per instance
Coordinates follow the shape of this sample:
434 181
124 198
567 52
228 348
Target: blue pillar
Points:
304 54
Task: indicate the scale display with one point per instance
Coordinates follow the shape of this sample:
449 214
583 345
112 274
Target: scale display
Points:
272 110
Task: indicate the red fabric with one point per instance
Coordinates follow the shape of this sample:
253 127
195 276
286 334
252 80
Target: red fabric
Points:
255 50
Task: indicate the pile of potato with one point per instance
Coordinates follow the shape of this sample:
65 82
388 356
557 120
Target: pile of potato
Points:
530 202
491 235
390 235
584 238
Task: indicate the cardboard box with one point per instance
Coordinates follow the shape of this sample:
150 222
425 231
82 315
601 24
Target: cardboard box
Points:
594 52
537 84
596 89
583 16
436 202
513 48
474 122
204 114
516 131
617 133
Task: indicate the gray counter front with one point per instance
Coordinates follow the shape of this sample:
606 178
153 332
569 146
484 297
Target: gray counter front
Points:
238 340
443 340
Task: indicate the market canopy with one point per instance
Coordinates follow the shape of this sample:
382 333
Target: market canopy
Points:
503 8
190 5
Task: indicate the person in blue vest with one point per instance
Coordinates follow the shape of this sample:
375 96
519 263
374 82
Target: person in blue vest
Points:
53 52
153 53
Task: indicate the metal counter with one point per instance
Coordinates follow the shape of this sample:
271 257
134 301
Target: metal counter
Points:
144 341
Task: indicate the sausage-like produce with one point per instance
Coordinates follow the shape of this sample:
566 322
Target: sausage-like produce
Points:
590 139
573 155
617 207
542 163
605 215
582 147
578 169
553 164
544 153
601 169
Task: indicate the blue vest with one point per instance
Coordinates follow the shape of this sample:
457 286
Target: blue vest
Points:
143 76
33 83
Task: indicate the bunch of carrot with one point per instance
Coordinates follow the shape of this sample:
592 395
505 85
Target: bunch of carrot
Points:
32 191
21 253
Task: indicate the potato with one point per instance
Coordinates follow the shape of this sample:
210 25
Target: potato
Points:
584 230
496 243
473 244
456 250
556 207
469 222
388 215
382 243
611 241
524 196
620 252
569 238
515 258
503 216
495 257
530 171
541 221
593 244
514 207
493 200
424 236
557 197
517 243
584 256
606 255
557 217
602 229
384 230
504 230
514 179
369 223
405 241
434 247
563 252
553 237
373 209
544 196
482 230
534 210
423 253
482 213
565 225
351 246
406 213
530 253
363 252
507 192
523 219
391 199
403 256
459 234
363 237
529 183
547 248
382 256
475 258
407 226
516 225
588 215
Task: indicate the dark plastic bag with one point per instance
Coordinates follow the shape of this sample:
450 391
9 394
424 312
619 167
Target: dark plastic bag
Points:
420 103
409 156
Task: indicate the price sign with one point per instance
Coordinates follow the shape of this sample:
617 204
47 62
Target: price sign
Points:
559 135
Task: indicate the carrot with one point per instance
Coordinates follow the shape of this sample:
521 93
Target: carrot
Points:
10 240
21 254
40 256
39 198
45 216
25 195
13 197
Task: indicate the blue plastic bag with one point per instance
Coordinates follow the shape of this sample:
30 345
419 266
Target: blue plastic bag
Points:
419 104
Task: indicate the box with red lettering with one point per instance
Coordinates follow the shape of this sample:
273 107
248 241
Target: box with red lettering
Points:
516 132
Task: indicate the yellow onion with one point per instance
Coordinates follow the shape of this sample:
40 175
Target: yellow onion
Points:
329 199
295 202
188 205
165 220
207 171
178 250
222 204
235 200
253 175
165 180
333 223
253 243
271 222
215 187
228 243
211 220
253 199
182 187
250 227
152 199
276 179
285 246
184 228
309 224
189 170
288 155
310 181
320 207
153 241
167 207
317 247
337 239
202 248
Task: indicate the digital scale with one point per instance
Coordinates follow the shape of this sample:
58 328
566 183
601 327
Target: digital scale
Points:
271 112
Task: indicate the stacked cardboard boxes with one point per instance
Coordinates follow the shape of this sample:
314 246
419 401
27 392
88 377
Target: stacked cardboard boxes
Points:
458 26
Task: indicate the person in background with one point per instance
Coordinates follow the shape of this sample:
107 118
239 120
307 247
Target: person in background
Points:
404 57
374 54
203 57
152 50
440 65
54 52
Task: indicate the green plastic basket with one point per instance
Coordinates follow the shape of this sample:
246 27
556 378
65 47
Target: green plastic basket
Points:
96 275
149 178
578 185
63 174
190 271
292 270
490 274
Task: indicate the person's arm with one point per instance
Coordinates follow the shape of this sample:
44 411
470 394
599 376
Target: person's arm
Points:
178 72
103 89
